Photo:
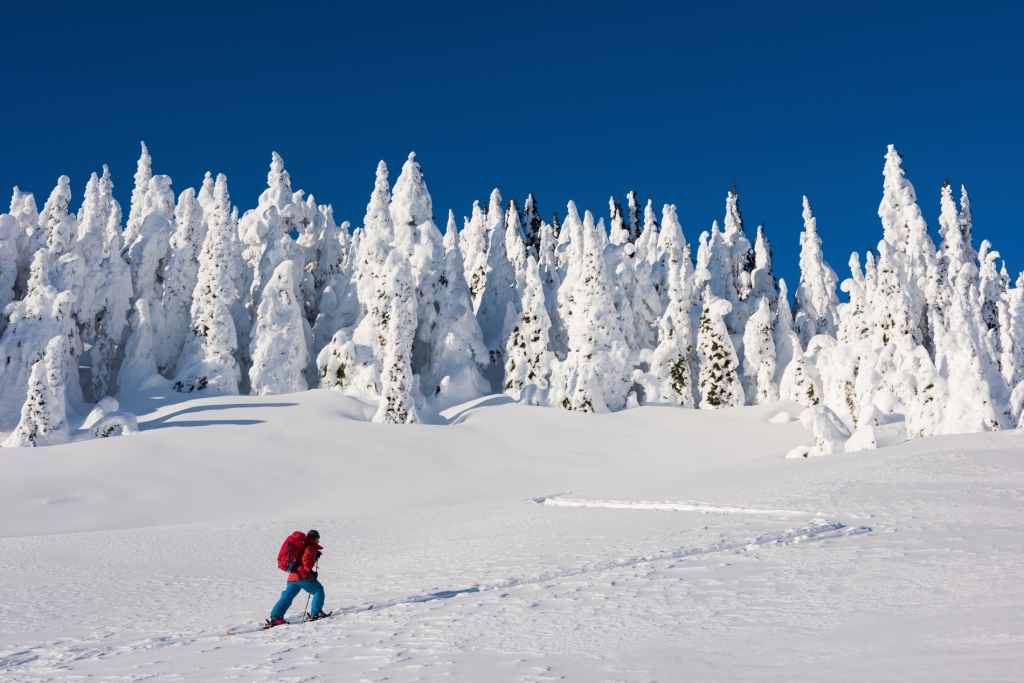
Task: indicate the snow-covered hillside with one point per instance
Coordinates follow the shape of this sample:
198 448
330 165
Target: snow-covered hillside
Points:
509 543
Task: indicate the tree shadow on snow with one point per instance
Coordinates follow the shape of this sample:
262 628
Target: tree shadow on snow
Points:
163 421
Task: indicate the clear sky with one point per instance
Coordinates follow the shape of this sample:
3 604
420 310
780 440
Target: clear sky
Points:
568 100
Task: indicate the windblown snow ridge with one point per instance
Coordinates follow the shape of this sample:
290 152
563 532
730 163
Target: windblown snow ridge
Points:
672 507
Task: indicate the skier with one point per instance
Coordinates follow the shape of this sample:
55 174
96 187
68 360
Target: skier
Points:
302 577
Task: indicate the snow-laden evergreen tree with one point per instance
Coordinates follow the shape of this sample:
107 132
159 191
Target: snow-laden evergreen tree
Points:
905 229
279 353
57 227
500 284
594 376
140 354
971 407
991 292
855 316
532 223
670 379
207 359
817 306
351 362
397 403
635 224
43 314
528 359
619 233
569 257
547 263
762 280
44 414
759 356
514 244
718 381
796 383
337 304
8 263
738 256
457 349
142 177
474 254
180 277
647 245
420 240
23 210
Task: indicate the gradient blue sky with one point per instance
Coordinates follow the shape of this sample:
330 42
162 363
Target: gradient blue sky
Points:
567 100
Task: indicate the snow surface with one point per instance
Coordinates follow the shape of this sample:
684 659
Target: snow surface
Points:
503 542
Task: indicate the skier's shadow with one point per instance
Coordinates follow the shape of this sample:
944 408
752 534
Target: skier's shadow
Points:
163 421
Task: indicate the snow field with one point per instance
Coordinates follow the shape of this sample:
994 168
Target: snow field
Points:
129 558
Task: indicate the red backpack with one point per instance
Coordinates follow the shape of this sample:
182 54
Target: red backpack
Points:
291 551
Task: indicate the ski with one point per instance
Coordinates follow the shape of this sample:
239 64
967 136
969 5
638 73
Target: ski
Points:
234 631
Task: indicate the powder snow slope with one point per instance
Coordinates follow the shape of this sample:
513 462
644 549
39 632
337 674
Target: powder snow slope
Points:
510 544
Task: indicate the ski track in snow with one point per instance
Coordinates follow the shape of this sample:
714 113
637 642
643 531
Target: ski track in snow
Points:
671 507
817 530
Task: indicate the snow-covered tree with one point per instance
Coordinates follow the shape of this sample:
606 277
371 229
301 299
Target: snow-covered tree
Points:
759 356
23 210
817 307
279 353
208 357
8 262
528 359
142 177
635 224
457 349
594 376
532 223
500 283
514 245
140 354
180 277
671 376
397 404
43 314
57 227
474 254
718 382
619 233
762 280
44 414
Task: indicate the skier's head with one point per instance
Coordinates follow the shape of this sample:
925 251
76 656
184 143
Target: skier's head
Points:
313 535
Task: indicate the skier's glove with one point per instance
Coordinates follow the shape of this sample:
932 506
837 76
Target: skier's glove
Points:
313 575
318 554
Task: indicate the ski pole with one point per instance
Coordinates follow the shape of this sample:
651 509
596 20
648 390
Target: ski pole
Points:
316 568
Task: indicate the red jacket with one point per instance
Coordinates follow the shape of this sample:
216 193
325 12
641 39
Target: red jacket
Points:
306 564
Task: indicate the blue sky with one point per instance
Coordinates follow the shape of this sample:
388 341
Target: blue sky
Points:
567 100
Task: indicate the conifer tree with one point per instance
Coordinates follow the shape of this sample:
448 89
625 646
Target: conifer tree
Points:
499 289
474 254
139 362
817 307
457 348
718 382
854 316
208 357
111 320
142 177
57 228
619 232
23 210
528 359
8 263
547 263
671 376
514 244
279 352
593 377
397 405
372 253
180 277
762 280
44 414
635 223
759 356
532 222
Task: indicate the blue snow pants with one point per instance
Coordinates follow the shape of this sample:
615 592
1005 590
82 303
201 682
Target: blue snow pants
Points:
312 586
